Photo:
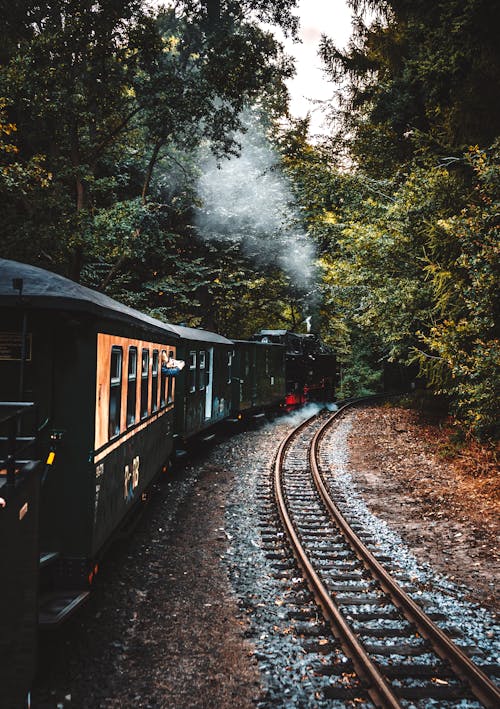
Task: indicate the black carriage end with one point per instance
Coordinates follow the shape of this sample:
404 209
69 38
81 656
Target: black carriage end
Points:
19 506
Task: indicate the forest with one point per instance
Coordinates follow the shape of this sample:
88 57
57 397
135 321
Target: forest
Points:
148 152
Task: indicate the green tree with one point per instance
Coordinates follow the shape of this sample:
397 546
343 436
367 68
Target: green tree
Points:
67 85
99 90
410 246
460 352
418 76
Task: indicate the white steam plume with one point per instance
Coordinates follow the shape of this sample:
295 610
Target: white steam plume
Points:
247 199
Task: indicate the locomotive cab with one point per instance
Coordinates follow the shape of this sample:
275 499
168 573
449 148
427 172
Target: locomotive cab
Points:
309 366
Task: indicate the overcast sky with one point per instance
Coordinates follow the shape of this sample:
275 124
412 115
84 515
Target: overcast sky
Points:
317 17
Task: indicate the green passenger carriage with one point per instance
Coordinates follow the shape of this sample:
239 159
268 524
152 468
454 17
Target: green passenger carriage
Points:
110 417
105 413
204 384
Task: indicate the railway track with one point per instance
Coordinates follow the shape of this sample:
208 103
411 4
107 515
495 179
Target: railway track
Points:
399 655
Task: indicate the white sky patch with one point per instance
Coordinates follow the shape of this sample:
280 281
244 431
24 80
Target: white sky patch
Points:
332 18
317 17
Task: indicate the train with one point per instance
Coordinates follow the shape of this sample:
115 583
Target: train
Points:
90 416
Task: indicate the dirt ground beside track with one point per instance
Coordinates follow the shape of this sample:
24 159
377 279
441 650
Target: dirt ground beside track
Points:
446 509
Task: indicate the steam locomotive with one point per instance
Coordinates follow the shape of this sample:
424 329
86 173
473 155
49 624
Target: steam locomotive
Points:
89 419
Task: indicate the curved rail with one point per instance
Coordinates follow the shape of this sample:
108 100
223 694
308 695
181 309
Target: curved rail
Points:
377 688
482 687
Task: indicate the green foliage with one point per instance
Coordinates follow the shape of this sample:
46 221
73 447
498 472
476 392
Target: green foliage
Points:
463 268
360 375
98 94
404 211
105 108
409 271
419 76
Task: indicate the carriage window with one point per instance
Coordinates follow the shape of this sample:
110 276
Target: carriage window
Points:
163 381
229 367
202 374
144 383
192 371
132 385
154 381
170 390
115 392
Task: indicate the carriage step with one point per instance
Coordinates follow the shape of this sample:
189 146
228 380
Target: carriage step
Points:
47 557
54 608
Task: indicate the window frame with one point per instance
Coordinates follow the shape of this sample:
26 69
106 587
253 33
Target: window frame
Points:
163 383
202 363
144 398
170 385
131 411
115 384
155 359
192 371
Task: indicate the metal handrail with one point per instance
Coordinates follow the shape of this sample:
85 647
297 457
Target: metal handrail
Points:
10 416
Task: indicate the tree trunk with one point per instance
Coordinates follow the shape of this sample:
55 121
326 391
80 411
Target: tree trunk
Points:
81 203
213 13
112 271
149 171
75 268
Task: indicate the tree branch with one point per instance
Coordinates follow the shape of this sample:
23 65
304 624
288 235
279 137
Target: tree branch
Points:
109 138
116 267
429 356
149 171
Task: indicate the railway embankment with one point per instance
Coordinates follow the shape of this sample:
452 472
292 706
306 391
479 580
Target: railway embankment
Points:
443 500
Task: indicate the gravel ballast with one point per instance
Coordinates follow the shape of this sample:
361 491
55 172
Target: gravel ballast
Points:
191 612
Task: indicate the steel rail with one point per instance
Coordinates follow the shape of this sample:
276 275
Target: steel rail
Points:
481 685
377 687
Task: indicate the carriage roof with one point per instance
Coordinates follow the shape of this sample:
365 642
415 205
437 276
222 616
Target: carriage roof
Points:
192 333
43 289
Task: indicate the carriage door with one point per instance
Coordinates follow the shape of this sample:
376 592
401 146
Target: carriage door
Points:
209 375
